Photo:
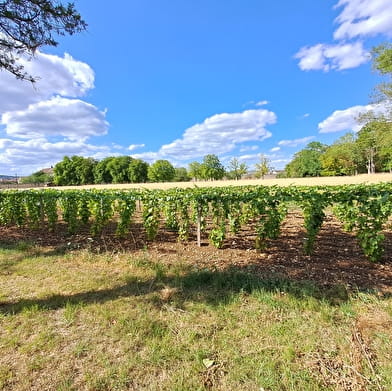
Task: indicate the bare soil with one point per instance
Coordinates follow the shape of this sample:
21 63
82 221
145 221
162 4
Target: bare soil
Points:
337 258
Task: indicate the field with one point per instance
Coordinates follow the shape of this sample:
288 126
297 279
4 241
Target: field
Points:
104 313
342 180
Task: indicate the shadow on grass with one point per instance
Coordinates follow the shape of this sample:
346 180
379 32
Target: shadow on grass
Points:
214 288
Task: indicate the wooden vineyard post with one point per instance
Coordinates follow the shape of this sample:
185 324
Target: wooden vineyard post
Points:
198 227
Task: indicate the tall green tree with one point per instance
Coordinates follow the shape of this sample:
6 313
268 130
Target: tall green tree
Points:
119 169
138 171
263 167
161 171
26 25
194 170
76 170
342 157
235 169
212 168
102 173
374 144
307 162
181 175
382 63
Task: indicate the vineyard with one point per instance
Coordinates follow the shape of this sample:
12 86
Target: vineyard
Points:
214 212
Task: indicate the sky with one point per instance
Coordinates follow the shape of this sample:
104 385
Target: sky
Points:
180 79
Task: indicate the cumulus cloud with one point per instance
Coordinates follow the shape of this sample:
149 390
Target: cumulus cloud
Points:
218 135
70 118
296 142
41 123
26 156
346 119
327 57
132 147
56 76
361 18
358 19
249 148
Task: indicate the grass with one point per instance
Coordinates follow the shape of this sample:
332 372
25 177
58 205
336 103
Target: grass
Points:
82 321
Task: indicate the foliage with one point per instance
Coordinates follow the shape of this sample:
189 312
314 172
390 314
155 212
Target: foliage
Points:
76 170
364 209
236 170
382 62
263 167
181 175
212 168
26 25
38 177
161 171
194 170
342 157
137 171
102 173
307 162
118 168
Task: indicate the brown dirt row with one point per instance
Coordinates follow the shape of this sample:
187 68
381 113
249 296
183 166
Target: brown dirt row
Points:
337 258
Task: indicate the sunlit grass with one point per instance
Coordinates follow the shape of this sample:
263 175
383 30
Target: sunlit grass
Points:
83 321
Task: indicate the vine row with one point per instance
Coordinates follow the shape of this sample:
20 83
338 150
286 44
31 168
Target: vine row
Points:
364 210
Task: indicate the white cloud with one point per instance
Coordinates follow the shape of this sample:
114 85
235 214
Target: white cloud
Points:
249 148
346 119
306 115
56 76
275 149
27 156
262 103
332 57
296 142
71 118
358 19
132 147
249 158
361 18
41 123
218 135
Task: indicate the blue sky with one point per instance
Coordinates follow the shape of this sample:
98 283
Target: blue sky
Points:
178 80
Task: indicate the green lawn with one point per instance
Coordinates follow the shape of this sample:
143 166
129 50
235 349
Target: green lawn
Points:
82 321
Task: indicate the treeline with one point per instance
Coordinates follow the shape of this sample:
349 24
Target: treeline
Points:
78 170
369 151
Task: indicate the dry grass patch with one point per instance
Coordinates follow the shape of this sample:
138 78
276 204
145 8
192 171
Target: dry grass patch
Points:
319 181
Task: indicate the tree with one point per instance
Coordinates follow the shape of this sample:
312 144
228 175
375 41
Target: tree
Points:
161 171
101 171
382 63
26 25
181 175
342 157
375 145
76 170
84 169
194 170
236 169
37 177
211 168
137 171
306 162
263 167
118 168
